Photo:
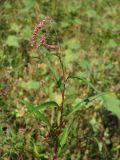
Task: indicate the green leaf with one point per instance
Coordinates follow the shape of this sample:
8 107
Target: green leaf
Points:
47 104
58 98
36 150
19 145
54 72
59 82
12 41
77 107
33 109
31 84
63 139
41 117
112 103
82 102
80 77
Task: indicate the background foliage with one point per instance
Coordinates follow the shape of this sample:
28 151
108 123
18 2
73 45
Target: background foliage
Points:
89 35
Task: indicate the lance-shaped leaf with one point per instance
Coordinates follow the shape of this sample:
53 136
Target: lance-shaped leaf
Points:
63 139
112 103
35 110
77 107
41 117
85 81
30 107
83 102
42 106
38 115
53 72
47 104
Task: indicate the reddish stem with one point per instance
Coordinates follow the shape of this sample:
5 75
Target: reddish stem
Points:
55 152
62 104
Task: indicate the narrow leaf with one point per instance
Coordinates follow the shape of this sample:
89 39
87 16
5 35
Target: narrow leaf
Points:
77 107
86 81
32 109
84 102
63 138
42 106
41 117
47 104
54 72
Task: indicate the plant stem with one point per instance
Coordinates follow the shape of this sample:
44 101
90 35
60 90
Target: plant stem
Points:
55 152
62 104
63 89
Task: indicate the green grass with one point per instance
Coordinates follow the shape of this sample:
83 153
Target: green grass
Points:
89 35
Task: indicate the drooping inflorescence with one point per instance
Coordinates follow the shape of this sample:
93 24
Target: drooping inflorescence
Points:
36 31
43 39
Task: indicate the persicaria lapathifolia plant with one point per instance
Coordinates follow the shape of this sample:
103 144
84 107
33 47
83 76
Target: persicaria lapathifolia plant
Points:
60 126
61 81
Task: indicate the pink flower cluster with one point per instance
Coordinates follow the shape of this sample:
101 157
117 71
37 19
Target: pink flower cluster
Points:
37 29
48 46
42 41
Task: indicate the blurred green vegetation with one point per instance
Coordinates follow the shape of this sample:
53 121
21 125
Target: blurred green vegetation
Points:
89 35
